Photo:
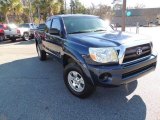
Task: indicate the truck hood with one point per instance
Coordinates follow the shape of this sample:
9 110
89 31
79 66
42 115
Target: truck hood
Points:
105 39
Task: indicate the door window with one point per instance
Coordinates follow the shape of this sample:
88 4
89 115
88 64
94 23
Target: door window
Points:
56 24
48 23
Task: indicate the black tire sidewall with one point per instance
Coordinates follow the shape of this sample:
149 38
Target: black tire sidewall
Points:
24 36
13 39
42 56
89 87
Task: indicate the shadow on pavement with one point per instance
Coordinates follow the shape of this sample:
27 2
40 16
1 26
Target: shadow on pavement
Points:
10 41
26 42
34 90
17 42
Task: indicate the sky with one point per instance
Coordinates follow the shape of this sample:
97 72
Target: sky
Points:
130 3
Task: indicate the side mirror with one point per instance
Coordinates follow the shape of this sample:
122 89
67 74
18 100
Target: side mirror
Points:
54 31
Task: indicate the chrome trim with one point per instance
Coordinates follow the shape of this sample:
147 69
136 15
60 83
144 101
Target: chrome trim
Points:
122 49
139 59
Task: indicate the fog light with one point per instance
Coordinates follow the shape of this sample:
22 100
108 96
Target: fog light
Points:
106 77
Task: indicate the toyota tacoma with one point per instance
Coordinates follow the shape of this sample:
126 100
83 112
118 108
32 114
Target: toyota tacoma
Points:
94 54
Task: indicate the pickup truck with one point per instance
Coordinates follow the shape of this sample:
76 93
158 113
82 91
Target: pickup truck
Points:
27 30
9 31
94 54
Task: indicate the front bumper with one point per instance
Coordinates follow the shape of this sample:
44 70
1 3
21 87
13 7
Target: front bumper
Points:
124 73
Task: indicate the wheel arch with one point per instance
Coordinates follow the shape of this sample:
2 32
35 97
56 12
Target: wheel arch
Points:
78 59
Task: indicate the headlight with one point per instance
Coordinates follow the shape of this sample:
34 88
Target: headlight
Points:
103 55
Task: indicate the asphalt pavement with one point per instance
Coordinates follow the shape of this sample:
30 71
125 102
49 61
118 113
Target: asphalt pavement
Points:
34 90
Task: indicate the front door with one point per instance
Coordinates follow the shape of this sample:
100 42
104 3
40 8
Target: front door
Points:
54 40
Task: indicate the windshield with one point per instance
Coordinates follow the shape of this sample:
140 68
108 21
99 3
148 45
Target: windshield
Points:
12 26
84 24
24 25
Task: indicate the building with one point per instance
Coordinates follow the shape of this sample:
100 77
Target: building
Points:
144 16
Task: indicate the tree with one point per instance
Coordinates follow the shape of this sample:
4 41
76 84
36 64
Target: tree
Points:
77 7
30 10
104 11
18 10
62 7
118 6
138 6
10 7
47 7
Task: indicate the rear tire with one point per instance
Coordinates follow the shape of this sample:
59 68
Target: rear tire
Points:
26 36
41 53
76 81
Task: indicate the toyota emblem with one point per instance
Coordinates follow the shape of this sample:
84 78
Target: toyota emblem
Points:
139 51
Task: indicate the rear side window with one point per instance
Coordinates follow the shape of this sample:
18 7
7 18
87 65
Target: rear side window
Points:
56 24
24 25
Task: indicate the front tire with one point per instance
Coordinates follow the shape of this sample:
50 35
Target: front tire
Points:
13 39
41 53
76 81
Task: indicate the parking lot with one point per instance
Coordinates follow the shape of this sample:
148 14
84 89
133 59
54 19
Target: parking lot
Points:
34 90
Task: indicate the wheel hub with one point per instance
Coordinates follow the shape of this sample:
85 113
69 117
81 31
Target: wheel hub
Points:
76 81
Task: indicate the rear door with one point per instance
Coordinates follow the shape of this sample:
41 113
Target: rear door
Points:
45 42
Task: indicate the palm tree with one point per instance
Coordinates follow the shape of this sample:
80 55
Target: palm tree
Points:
10 7
4 9
18 10
47 7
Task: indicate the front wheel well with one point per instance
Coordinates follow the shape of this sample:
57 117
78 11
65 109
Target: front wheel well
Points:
67 59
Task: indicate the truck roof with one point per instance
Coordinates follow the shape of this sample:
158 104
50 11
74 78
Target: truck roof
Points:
73 15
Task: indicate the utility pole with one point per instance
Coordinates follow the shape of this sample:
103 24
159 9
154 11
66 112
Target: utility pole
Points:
65 7
124 15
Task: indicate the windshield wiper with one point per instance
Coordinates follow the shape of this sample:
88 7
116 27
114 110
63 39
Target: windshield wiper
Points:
99 30
87 31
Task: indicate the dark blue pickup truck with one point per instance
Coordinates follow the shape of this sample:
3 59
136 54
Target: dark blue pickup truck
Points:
92 53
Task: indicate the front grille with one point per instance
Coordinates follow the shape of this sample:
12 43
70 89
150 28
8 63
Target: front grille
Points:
126 75
131 53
